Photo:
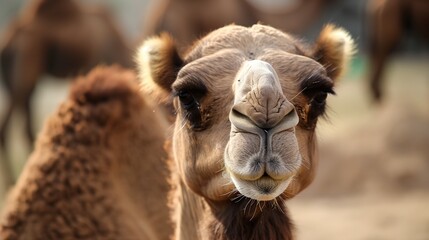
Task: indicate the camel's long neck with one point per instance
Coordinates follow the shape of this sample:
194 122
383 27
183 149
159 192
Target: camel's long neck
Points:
189 213
245 219
142 177
248 219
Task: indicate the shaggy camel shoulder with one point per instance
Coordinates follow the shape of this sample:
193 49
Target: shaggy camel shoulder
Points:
99 169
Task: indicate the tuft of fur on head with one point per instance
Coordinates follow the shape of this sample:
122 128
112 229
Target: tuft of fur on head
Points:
158 63
334 49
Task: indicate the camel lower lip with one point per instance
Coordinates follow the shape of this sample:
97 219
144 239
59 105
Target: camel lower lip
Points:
262 189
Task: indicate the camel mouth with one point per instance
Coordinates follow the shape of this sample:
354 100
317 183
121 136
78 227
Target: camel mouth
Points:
262 178
264 188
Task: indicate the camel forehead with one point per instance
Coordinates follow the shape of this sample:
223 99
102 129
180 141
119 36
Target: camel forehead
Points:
253 40
216 59
223 65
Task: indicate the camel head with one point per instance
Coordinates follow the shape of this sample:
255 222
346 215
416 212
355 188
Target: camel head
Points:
247 102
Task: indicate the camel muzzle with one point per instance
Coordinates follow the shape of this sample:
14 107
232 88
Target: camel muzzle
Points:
262 117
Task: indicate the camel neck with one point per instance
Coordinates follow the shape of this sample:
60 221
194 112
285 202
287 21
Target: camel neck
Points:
249 219
244 219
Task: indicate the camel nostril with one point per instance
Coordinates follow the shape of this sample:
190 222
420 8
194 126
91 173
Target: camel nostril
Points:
259 100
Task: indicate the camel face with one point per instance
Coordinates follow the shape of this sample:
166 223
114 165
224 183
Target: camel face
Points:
247 102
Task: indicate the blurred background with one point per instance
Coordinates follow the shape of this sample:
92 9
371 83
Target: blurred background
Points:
373 176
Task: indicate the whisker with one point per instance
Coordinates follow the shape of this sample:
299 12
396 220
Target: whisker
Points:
298 93
251 204
238 199
182 126
229 193
247 204
221 169
259 205
254 212
280 208
272 203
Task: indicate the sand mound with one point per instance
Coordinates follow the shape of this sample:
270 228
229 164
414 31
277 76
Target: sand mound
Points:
389 154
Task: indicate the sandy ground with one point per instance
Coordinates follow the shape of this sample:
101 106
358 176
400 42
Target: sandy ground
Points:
404 217
373 177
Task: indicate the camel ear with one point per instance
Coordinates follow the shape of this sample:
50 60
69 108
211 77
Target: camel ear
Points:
158 64
334 49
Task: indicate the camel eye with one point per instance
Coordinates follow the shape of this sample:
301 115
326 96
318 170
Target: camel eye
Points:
318 105
190 93
320 98
191 109
187 100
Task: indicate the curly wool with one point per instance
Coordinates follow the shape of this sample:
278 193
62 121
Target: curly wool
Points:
69 188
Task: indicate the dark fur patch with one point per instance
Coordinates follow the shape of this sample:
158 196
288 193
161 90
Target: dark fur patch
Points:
238 221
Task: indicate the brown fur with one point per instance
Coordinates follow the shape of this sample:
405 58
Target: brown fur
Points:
165 69
251 223
189 20
61 38
389 21
99 170
208 205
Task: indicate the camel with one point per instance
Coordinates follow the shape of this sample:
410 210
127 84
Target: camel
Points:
389 20
187 20
247 102
62 38
96 164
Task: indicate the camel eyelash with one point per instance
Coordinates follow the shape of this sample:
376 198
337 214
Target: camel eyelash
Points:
191 85
188 100
191 108
315 85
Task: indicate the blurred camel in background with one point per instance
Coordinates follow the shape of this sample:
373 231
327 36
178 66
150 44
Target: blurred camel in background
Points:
62 38
99 169
389 21
188 20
